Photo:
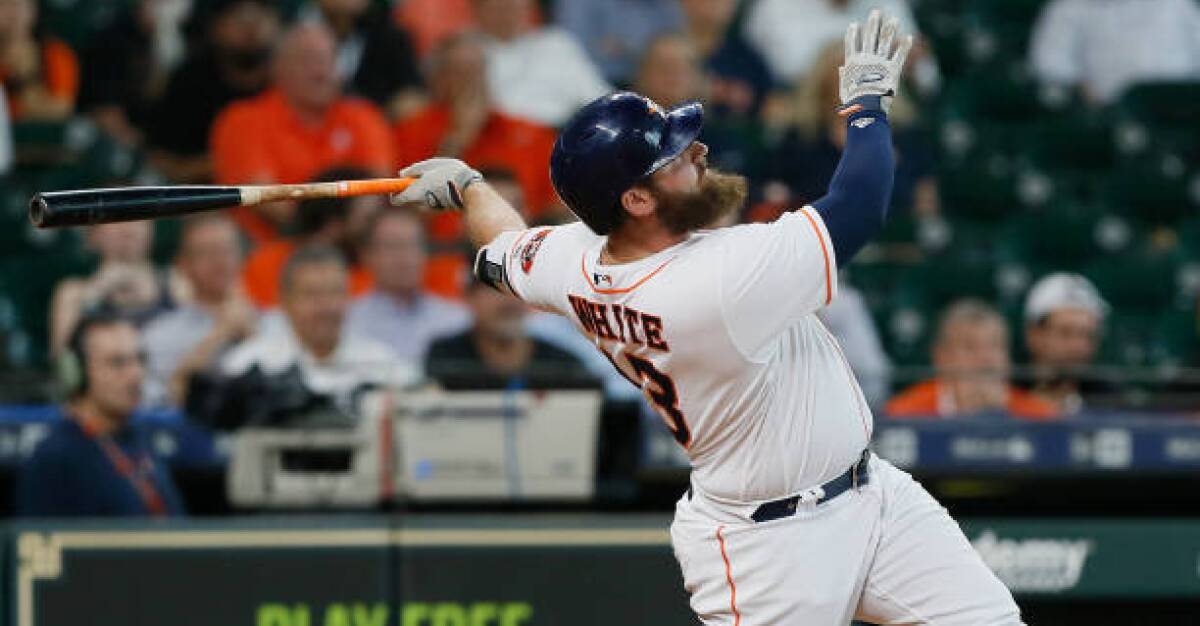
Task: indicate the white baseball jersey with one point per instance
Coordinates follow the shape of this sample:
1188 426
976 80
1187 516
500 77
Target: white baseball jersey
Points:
720 333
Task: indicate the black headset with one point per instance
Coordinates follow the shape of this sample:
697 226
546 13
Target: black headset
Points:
72 364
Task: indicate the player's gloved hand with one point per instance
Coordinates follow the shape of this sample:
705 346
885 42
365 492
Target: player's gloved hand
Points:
871 71
440 184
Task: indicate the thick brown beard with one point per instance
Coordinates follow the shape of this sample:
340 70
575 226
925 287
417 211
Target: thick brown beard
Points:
718 196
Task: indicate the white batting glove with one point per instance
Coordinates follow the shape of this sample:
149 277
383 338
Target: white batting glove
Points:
871 67
440 184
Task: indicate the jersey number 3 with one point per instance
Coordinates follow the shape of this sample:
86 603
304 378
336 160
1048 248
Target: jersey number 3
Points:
662 392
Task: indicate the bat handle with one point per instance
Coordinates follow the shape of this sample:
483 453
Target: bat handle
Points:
258 194
374 186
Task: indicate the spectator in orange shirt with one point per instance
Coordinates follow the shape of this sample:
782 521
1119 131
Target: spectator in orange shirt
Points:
40 74
332 222
462 122
298 127
971 357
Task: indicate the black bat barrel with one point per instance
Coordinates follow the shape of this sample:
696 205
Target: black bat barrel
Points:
99 206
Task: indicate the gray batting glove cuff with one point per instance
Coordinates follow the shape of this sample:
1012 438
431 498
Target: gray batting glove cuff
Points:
440 184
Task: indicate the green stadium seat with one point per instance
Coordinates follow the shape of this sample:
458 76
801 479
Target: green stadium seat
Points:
1003 92
1163 104
1137 281
1079 143
1156 189
78 21
1157 118
1150 340
1065 236
941 24
30 299
986 188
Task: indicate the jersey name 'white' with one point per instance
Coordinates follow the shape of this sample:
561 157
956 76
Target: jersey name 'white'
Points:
720 332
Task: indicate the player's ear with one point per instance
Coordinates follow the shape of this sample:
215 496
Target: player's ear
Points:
638 201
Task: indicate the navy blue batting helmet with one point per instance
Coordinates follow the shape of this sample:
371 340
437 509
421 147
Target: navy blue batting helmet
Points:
610 145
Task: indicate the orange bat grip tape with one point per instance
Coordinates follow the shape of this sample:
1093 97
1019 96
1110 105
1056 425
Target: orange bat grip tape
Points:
376 186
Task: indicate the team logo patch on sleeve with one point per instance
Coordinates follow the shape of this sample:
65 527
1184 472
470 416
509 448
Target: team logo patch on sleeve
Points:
530 250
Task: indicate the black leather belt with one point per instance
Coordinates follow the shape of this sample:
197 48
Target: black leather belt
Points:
852 478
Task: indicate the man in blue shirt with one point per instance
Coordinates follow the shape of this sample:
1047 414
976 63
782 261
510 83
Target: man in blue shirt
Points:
94 462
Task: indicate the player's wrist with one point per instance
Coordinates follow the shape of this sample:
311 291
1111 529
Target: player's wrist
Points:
868 104
474 193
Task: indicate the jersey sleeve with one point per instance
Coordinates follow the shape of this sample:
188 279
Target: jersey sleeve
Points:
772 274
532 264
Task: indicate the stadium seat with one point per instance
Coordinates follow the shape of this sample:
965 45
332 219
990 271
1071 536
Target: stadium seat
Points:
981 189
1077 143
940 22
30 299
1158 340
1158 189
1065 236
1155 118
1137 281
1003 92
1163 104
78 21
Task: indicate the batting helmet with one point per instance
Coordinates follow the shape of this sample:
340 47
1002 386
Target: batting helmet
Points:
610 145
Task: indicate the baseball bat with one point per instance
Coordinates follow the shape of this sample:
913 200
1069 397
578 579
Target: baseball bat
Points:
81 207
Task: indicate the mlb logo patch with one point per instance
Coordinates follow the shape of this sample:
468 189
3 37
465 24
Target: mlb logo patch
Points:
530 250
602 279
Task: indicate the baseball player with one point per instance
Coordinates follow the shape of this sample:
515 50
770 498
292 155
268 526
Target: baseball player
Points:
789 518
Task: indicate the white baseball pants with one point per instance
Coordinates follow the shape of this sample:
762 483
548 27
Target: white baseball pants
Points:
887 553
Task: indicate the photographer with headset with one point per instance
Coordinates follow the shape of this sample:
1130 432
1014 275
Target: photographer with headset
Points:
94 462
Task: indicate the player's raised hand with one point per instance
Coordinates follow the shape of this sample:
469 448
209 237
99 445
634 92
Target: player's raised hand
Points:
874 59
439 186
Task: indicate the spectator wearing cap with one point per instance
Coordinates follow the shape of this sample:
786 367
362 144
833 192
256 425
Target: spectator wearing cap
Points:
399 311
1101 48
231 62
375 58
192 337
616 32
1064 318
540 73
971 363
127 64
463 122
337 222
40 74
297 128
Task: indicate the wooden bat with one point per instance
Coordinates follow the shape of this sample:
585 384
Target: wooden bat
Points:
81 207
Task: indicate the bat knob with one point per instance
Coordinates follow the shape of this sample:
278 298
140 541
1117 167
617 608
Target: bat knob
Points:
37 210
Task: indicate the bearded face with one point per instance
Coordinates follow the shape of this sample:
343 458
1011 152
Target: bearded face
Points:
717 195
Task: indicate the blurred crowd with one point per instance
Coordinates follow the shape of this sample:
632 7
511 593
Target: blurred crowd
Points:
341 294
